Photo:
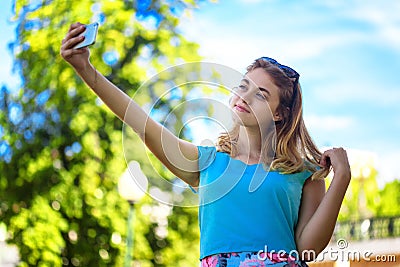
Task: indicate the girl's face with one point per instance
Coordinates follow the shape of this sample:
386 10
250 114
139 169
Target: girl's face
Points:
255 100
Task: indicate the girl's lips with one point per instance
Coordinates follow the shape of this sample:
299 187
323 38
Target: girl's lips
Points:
241 109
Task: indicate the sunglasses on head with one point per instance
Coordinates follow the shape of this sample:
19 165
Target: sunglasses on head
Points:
291 73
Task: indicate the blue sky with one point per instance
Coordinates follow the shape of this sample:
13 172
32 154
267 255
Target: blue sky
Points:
348 56
7 34
347 53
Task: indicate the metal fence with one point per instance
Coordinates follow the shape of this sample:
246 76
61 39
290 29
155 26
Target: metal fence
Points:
371 228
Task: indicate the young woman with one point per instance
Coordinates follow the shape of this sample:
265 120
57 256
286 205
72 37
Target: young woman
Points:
272 221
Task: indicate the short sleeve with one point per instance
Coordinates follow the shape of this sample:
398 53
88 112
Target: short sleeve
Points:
206 155
306 174
310 169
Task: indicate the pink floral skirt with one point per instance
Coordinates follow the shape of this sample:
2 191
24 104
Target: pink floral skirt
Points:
251 259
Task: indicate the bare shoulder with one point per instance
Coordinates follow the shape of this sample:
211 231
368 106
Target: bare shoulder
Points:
313 193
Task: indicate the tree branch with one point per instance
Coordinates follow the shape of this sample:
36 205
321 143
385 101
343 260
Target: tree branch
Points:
132 52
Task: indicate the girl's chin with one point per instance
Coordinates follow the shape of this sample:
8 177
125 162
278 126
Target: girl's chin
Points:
238 118
264 130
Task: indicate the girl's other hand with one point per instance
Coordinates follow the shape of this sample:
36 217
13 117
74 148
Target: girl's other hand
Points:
77 58
337 158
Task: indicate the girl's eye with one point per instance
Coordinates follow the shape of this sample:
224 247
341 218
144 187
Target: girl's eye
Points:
261 96
240 88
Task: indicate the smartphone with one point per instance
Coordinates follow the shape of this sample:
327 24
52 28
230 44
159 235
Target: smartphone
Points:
90 34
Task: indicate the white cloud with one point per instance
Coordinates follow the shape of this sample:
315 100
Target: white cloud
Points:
383 15
251 1
388 165
237 43
361 162
328 123
11 80
358 91
312 41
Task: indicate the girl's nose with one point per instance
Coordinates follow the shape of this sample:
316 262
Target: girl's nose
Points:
246 97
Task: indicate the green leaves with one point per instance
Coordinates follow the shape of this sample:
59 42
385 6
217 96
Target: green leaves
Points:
40 229
58 191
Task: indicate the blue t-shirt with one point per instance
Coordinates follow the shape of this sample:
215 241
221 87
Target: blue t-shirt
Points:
244 207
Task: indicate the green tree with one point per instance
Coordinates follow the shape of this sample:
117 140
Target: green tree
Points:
367 211
364 199
362 195
61 152
389 200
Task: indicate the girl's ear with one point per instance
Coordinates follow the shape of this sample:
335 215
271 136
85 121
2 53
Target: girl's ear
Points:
277 117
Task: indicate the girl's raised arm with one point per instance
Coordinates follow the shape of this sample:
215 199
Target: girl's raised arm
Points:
179 156
319 210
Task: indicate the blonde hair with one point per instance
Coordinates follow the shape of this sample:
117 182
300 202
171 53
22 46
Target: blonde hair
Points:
290 149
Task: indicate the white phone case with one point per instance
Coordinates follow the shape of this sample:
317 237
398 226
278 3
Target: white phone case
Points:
90 34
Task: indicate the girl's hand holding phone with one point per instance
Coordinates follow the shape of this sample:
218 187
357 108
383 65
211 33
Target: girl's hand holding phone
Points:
76 57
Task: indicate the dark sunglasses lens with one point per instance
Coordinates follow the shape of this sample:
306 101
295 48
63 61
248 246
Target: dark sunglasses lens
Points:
271 60
291 73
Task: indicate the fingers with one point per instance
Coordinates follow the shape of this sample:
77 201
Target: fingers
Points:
332 156
70 52
338 160
75 31
325 161
75 25
325 158
66 49
71 37
70 43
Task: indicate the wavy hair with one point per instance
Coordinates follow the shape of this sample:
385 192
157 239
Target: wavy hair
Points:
290 148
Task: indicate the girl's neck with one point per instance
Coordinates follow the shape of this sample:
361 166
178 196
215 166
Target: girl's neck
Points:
249 144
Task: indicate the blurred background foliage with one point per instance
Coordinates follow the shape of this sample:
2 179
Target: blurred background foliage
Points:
63 148
365 199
